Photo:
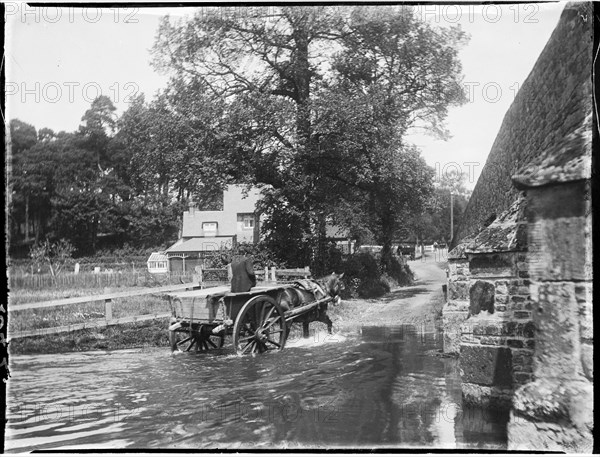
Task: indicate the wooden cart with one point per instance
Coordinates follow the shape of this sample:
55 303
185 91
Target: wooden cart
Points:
257 320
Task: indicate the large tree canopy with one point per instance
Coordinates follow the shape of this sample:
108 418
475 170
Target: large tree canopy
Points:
322 98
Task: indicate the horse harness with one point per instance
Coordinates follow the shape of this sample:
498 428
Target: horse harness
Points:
311 286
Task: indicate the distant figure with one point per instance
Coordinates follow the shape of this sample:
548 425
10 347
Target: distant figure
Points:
242 274
435 245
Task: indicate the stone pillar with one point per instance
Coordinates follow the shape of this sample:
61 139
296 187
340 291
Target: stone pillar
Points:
555 410
456 309
496 343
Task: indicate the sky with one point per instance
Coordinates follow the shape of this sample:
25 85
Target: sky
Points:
59 59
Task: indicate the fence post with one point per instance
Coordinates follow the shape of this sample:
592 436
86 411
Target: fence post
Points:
273 276
108 309
197 278
306 272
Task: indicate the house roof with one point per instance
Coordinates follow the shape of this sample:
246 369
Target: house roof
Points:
335 231
458 252
507 233
206 244
568 160
157 257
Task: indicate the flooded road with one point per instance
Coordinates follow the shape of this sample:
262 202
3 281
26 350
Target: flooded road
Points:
369 387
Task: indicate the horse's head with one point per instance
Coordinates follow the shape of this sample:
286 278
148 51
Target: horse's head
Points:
333 285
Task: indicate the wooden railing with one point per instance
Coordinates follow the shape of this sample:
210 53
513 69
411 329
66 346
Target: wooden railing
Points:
268 275
108 314
89 280
212 276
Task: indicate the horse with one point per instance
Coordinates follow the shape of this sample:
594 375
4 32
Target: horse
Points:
307 291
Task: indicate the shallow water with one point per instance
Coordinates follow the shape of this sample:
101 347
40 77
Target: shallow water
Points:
376 387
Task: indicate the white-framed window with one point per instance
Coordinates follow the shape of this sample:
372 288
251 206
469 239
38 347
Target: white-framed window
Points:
248 221
209 227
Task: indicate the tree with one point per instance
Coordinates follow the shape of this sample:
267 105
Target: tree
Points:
278 73
54 254
434 223
22 138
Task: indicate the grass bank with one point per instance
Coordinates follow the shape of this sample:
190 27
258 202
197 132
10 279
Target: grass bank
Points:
151 333
122 336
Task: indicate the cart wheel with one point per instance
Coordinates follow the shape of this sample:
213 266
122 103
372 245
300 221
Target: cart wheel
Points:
207 340
260 326
203 340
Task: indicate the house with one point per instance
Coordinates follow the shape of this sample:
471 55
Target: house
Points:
340 237
158 262
204 232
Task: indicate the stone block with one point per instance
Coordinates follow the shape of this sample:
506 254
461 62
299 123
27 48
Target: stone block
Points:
522 314
498 398
451 321
518 290
458 305
522 266
501 289
481 297
531 435
587 360
493 340
492 265
559 252
515 343
458 290
557 330
521 378
486 365
501 299
583 294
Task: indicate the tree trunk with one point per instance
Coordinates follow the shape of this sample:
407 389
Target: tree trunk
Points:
320 236
387 236
27 218
94 232
37 227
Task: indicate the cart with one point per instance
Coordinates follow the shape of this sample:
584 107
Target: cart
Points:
257 320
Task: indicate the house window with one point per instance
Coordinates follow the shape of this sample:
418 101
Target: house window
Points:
209 228
247 221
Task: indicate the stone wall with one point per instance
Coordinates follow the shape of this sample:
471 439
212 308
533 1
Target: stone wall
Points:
497 339
456 309
555 410
528 338
552 102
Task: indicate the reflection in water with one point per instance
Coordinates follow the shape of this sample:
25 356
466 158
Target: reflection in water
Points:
381 387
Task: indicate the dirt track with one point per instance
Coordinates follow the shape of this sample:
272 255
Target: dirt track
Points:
420 303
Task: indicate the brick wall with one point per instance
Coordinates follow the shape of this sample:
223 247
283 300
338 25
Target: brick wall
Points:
552 102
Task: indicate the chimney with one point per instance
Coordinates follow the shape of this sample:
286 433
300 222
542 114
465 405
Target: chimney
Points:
192 207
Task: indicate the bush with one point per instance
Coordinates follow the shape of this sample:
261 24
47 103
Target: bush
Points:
364 279
260 254
401 272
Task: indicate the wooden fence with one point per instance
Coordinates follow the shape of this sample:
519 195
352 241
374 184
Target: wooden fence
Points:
96 280
268 275
108 318
89 280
